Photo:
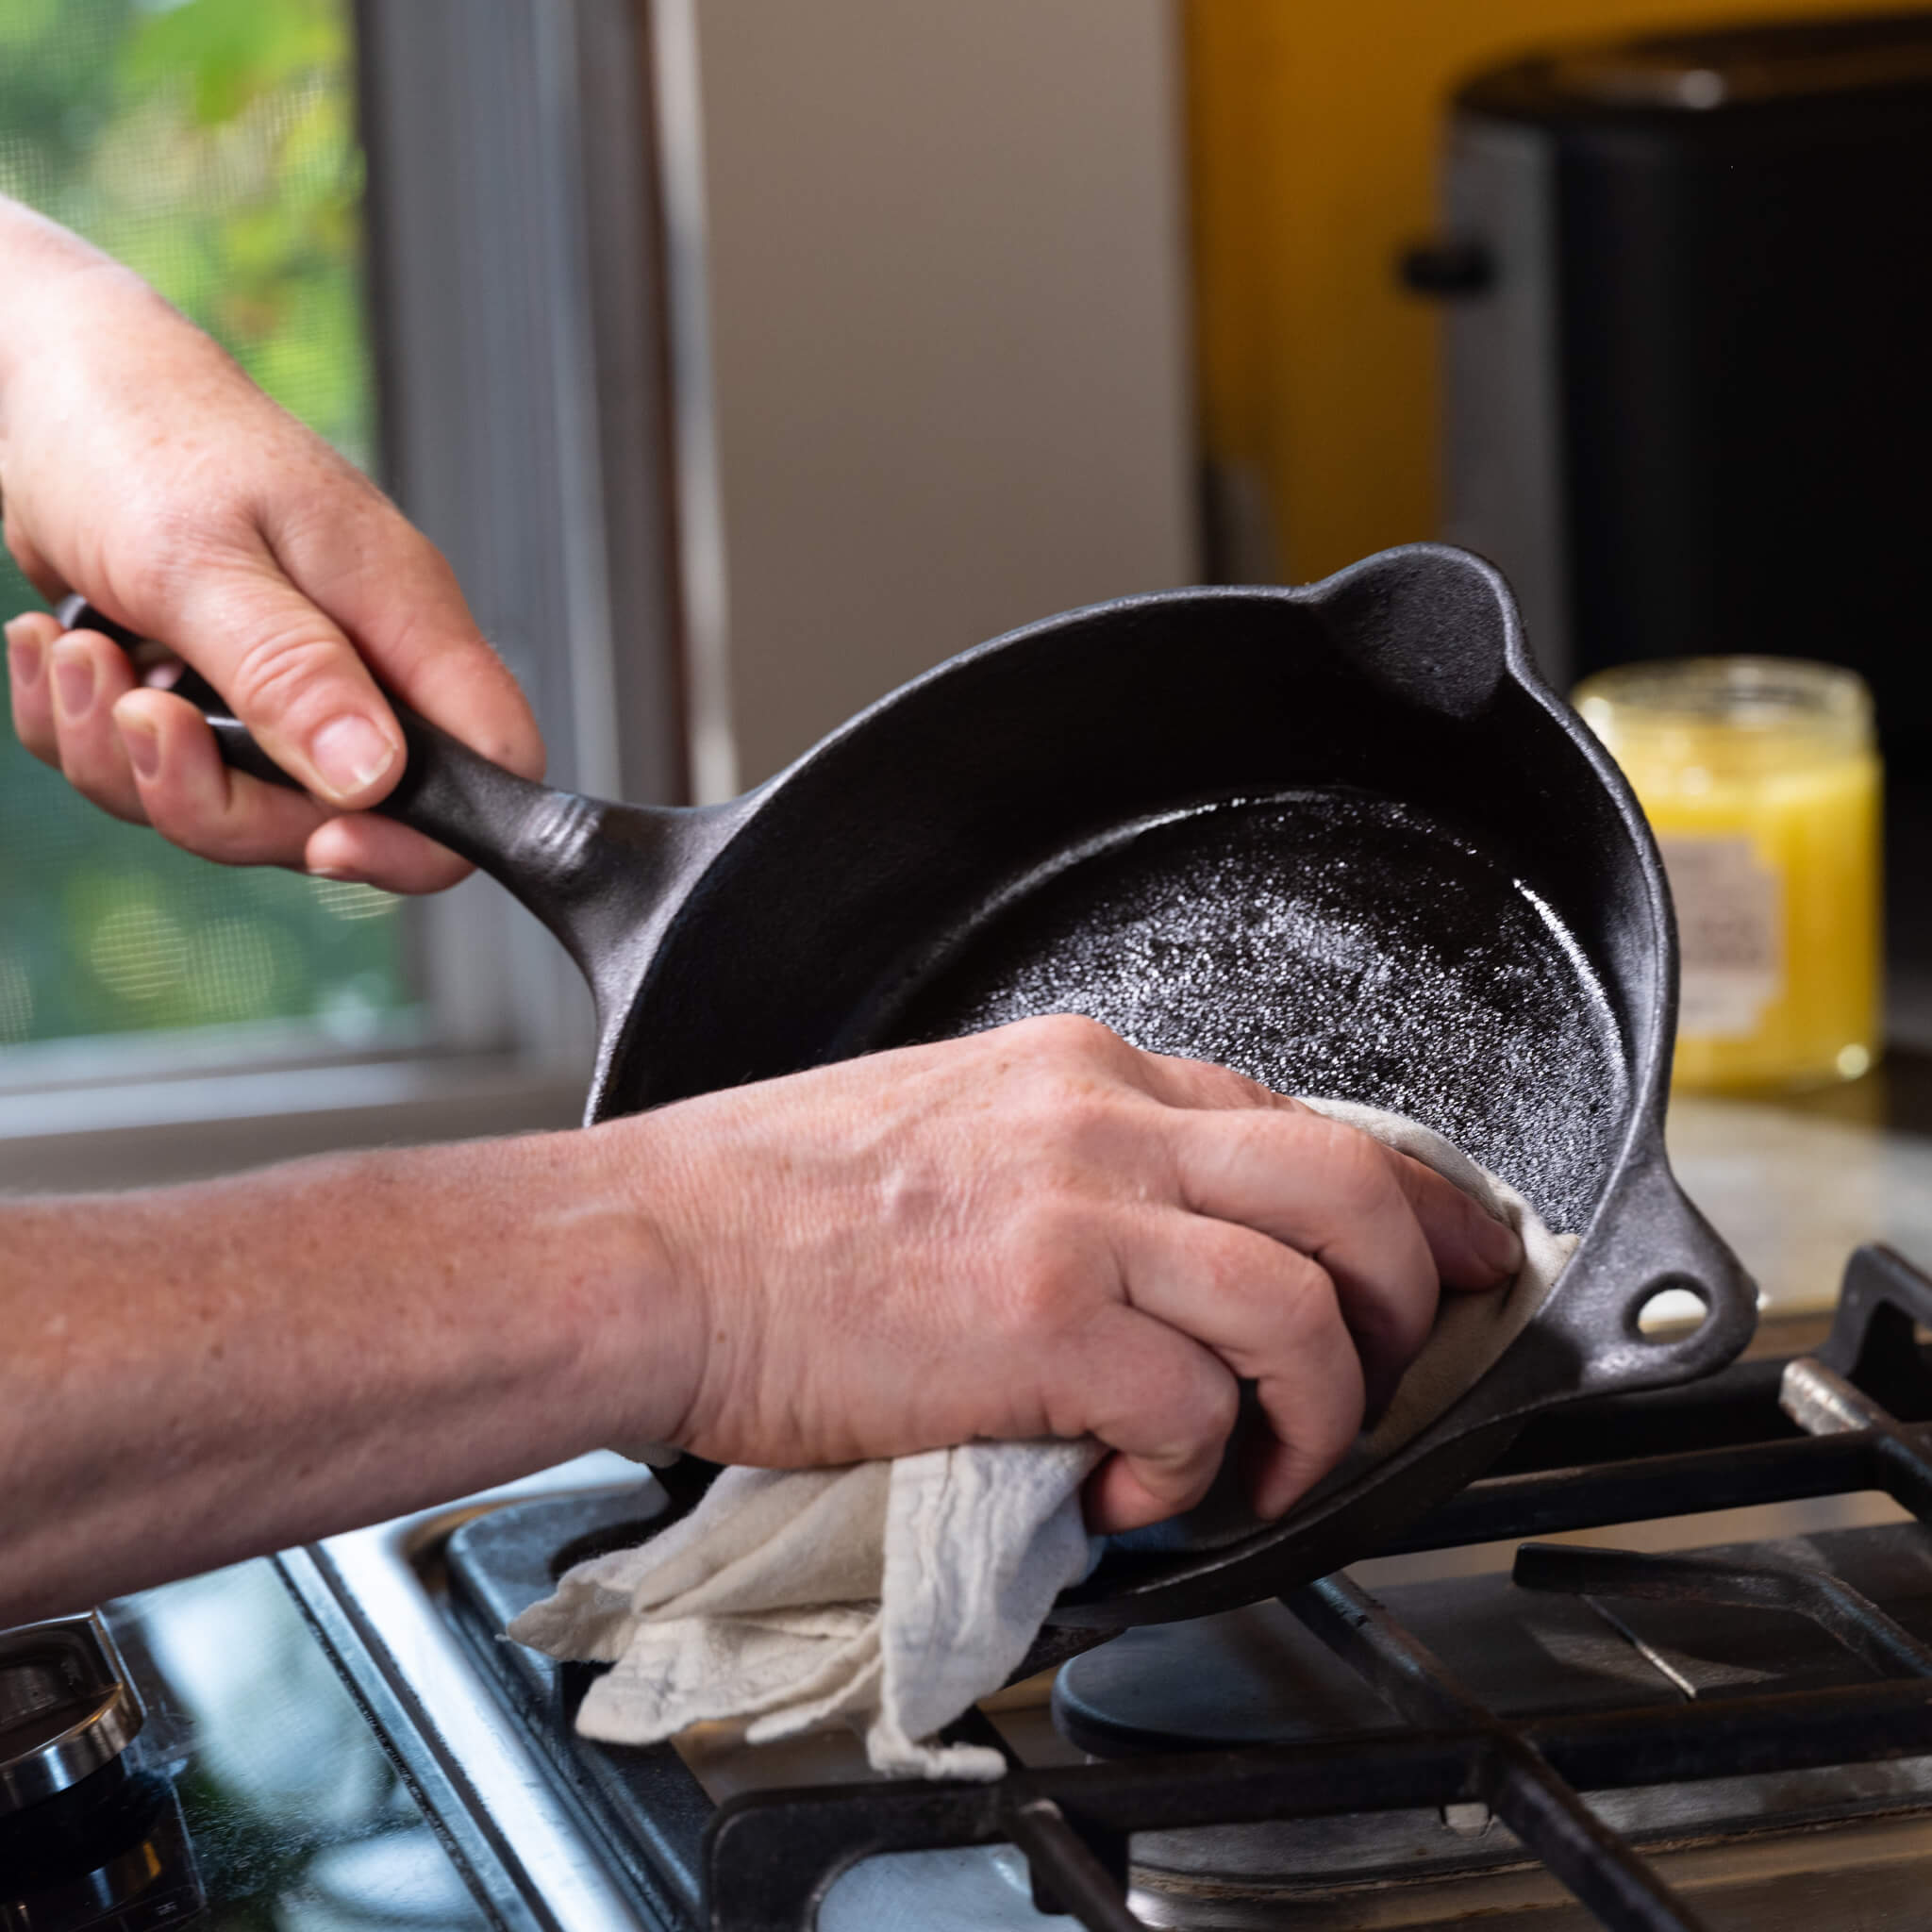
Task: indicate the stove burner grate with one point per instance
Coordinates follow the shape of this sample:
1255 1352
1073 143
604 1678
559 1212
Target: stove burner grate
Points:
769 1857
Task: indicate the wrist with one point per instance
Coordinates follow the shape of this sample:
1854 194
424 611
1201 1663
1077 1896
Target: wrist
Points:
54 285
624 1314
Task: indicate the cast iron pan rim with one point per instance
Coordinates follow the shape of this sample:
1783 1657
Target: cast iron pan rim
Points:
1516 656
1639 1155
1650 1072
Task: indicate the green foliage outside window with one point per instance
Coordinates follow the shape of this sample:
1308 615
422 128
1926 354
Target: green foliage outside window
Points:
211 146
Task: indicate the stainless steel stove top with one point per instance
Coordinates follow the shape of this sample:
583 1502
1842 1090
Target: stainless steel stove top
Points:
1420 1668
1401 1746
487 1754
1260 1677
239 1785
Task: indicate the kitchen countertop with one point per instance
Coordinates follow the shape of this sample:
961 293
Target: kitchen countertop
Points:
1795 1183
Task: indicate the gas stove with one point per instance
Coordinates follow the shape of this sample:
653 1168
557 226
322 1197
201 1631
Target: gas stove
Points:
188 1757
1670 1664
1692 1719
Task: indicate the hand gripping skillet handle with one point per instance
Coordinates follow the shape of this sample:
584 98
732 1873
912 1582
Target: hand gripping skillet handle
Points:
586 869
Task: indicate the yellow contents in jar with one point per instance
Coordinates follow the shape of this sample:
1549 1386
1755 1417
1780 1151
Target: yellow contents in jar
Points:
1759 778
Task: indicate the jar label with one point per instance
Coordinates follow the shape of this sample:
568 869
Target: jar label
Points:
1730 935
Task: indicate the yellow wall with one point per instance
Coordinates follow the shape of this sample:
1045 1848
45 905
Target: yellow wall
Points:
1313 126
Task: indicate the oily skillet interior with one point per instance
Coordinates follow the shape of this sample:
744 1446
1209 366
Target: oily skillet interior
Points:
1340 837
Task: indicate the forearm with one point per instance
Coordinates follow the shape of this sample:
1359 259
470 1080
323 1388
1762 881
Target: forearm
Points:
205 1372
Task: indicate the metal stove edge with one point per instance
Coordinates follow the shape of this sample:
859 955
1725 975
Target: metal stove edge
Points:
527 1853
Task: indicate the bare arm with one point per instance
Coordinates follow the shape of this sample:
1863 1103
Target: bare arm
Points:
1038 1231
200 1374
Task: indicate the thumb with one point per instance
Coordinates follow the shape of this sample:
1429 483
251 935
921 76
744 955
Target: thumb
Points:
292 676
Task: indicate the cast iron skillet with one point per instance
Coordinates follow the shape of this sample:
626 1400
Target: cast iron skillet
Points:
1340 837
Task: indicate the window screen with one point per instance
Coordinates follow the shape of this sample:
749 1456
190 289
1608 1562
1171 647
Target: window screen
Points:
211 146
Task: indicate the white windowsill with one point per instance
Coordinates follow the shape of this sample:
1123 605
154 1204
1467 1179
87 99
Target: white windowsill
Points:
142 1133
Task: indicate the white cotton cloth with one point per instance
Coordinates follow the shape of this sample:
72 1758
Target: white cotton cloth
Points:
890 1594
894 1594
1470 1330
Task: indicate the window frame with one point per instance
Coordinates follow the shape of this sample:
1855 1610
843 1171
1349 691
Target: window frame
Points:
517 309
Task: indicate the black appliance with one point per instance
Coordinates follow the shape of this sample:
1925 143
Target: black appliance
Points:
1687 292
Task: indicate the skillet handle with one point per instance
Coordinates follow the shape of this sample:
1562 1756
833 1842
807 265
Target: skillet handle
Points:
558 853
447 791
1649 1239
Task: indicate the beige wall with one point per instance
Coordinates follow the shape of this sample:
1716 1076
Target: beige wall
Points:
946 278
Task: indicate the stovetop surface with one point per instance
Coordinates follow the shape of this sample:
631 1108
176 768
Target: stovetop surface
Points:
1235 1760
1449 1665
255 1795
1258 1677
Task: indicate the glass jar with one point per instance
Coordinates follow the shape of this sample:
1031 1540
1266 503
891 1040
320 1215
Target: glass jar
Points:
1760 779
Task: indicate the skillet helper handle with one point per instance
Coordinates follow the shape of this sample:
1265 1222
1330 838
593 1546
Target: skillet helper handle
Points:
447 791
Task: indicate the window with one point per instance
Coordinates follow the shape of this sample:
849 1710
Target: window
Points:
431 229
212 147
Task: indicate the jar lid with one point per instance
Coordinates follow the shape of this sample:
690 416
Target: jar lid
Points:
1763 713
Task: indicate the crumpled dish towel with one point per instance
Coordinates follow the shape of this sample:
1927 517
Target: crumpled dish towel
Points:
894 1594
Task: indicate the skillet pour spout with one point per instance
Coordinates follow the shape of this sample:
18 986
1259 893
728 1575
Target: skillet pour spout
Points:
1341 837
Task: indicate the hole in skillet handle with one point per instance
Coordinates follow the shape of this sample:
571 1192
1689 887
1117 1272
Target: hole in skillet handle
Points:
1671 1307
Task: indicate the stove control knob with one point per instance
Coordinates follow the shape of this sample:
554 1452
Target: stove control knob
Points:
67 1707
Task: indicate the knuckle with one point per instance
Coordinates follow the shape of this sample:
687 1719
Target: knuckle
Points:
225 833
191 528
1228 1268
1411 1316
1229 1089
1354 1174
158 586
281 670
1185 1399
1040 1294
1195 1438
1073 1036
1208 1415
1080 1123
186 828
1065 1132
1048 1273
1306 1304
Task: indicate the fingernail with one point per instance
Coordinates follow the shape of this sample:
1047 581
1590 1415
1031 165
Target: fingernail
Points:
350 754
23 660
73 684
1498 1245
143 746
